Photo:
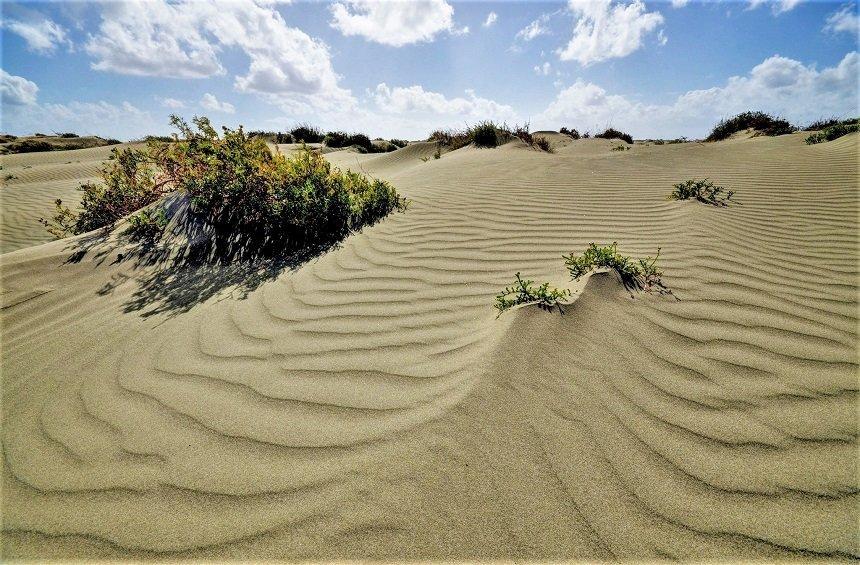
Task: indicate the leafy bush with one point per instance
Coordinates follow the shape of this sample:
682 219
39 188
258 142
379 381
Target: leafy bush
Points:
659 142
611 133
306 133
270 202
399 143
524 292
542 143
147 225
29 146
67 135
823 124
702 190
570 132
759 121
642 274
112 141
832 132
523 133
485 134
129 184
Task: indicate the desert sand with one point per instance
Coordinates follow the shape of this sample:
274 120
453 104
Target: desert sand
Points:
368 403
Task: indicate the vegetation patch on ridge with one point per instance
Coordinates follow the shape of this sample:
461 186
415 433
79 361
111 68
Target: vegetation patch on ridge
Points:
832 132
641 274
759 121
702 190
525 292
612 133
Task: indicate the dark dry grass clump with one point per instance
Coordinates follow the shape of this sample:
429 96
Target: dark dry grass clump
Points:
612 133
524 292
824 123
542 143
573 133
306 133
702 190
759 121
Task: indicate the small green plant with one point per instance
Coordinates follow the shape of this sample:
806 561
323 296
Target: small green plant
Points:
832 132
620 148
702 190
524 292
543 143
640 274
147 225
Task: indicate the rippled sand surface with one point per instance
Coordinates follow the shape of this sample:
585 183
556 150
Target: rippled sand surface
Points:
369 405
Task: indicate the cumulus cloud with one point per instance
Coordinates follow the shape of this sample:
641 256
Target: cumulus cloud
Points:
183 40
543 69
534 29
679 3
122 120
492 17
209 102
606 30
778 6
41 35
172 103
393 22
17 91
407 99
844 20
777 85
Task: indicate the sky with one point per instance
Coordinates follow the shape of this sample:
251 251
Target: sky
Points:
402 68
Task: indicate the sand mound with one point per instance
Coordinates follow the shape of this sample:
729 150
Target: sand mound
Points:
367 403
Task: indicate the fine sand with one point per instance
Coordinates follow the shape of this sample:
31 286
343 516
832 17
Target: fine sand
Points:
368 404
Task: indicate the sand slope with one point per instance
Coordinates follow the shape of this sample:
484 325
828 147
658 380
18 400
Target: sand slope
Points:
369 404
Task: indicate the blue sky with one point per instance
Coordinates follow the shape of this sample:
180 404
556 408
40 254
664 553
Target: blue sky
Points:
401 68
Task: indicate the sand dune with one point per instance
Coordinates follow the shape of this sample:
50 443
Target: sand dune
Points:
369 405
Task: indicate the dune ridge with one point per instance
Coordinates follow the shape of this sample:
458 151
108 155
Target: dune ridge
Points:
369 404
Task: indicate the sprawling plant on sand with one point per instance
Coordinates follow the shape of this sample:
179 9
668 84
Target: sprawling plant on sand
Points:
267 201
612 133
641 274
703 191
524 292
832 132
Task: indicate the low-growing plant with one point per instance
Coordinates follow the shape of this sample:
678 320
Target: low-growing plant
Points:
542 143
611 133
832 132
640 274
759 121
67 135
825 123
570 132
525 292
702 190
620 148
147 225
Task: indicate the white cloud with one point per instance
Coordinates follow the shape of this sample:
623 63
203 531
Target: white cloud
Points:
172 103
402 99
777 6
543 69
534 29
661 38
17 91
41 35
182 40
393 22
679 3
209 102
492 17
778 85
122 120
845 19
605 30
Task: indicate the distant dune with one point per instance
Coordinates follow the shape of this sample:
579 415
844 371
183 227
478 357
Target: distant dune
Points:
368 404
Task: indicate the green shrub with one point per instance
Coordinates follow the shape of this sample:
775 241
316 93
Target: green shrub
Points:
269 202
570 132
759 121
129 184
306 133
147 225
542 143
524 292
611 133
642 274
702 190
832 132
67 135
399 143
825 123
485 134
